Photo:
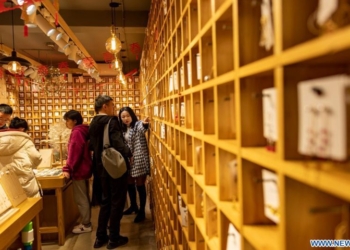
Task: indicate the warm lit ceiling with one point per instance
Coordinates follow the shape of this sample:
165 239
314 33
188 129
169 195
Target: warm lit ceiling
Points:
90 22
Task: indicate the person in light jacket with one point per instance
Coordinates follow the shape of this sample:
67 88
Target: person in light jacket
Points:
79 167
18 152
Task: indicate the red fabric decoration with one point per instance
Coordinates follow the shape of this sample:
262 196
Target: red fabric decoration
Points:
56 18
108 57
43 70
135 49
88 62
63 66
25 30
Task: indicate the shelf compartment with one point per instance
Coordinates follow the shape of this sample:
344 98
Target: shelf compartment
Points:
249 24
305 10
228 177
193 15
227 110
197 152
205 11
253 195
200 242
225 235
186 30
205 71
322 215
188 110
251 104
209 110
209 164
182 146
197 113
224 43
190 189
199 201
183 179
189 151
211 218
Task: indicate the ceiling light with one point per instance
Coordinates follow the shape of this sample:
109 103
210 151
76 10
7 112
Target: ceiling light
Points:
73 53
13 62
20 2
113 44
31 9
117 64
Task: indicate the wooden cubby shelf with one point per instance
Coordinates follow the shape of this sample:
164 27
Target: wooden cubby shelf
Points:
205 71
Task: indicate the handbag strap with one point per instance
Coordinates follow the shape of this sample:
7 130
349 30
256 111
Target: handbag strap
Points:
106 136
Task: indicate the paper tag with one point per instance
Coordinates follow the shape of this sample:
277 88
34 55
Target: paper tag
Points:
267 32
270 114
271 196
176 81
199 66
182 77
189 73
182 109
325 10
233 238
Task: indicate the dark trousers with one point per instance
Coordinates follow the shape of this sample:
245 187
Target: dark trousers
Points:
112 206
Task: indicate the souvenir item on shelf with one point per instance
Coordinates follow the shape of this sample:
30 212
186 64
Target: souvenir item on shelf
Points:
233 238
199 66
271 196
323 115
267 33
183 212
270 118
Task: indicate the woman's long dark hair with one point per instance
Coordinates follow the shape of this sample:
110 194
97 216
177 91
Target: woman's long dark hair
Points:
132 114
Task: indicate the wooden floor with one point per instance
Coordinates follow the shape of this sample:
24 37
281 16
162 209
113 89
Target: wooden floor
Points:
141 235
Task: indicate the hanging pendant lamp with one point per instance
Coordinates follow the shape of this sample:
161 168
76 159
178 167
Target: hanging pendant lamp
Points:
14 64
113 44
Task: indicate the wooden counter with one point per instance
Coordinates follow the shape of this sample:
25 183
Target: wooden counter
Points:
28 211
67 211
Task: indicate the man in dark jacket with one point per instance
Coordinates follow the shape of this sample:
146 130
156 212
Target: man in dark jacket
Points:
5 115
113 190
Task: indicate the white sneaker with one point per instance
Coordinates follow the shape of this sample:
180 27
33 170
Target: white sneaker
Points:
81 229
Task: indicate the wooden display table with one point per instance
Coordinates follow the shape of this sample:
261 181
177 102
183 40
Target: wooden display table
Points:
11 228
67 211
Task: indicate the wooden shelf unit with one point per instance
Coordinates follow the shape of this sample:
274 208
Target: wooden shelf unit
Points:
203 122
42 109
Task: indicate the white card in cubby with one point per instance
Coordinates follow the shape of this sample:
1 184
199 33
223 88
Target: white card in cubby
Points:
271 196
270 114
155 110
189 73
323 117
182 77
199 66
162 131
233 238
182 109
176 81
171 84
183 212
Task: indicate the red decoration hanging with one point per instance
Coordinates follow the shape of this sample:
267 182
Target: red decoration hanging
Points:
25 30
135 49
43 70
88 62
108 57
63 66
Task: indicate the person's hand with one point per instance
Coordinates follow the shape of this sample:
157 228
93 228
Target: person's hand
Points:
146 120
66 175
